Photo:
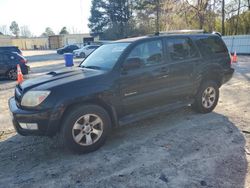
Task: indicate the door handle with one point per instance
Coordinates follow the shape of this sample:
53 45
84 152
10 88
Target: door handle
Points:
164 69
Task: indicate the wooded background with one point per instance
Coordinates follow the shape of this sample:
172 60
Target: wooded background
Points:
115 19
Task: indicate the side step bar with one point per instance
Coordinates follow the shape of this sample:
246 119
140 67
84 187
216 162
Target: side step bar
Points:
151 112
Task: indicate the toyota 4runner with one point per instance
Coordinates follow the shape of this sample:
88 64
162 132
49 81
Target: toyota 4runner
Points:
122 82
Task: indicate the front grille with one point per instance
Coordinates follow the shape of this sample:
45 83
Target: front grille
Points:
18 95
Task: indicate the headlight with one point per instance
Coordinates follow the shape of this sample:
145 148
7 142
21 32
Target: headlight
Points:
34 98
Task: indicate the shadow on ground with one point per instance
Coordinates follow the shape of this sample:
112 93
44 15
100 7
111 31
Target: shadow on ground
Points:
182 149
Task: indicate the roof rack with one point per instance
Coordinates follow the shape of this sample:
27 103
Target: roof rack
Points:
180 31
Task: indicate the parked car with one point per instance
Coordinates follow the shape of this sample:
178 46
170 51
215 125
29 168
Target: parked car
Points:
85 51
120 83
67 49
10 49
8 64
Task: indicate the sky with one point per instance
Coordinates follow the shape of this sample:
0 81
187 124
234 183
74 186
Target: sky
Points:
39 14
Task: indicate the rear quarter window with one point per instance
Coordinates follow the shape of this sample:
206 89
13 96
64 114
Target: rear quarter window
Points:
181 48
7 58
211 45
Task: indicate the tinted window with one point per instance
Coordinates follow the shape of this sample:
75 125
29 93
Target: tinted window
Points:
212 44
10 49
181 49
149 52
7 57
92 47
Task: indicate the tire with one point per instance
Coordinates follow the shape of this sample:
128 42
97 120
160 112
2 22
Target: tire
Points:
12 74
82 55
207 97
85 128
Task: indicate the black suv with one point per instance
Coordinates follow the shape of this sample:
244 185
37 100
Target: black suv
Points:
8 64
67 49
10 49
120 83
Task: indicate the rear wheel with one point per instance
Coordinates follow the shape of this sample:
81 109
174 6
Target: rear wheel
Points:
85 128
207 97
12 74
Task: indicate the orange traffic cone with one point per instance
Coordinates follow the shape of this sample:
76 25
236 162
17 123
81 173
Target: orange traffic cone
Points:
19 74
234 58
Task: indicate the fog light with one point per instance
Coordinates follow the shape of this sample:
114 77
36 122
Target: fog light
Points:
30 126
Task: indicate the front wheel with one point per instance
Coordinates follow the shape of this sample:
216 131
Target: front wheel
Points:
12 74
207 97
85 128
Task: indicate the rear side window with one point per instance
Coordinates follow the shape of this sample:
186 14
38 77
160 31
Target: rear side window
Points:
150 52
211 44
6 58
181 49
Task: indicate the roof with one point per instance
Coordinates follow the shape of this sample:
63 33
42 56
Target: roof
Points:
133 39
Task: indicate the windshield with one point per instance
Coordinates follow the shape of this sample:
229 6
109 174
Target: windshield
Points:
105 56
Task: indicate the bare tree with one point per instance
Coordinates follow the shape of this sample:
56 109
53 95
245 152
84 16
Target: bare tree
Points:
199 7
4 30
24 31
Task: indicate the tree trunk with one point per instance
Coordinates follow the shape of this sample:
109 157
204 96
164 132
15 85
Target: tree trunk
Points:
158 16
223 18
237 19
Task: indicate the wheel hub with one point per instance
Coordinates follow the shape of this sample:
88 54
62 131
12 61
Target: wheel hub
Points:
87 129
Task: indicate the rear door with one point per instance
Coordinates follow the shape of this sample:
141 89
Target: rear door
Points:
182 55
2 66
142 88
5 63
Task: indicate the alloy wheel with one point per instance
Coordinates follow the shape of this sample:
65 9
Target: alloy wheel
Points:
208 97
87 130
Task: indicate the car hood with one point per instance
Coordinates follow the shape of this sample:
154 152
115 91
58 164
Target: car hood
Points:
61 77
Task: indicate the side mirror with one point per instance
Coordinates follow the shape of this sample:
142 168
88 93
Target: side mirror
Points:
132 63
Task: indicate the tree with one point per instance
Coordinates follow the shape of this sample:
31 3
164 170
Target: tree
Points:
4 29
14 28
115 19
25 32
48 32
200 9
111 16
99 19
223 17
64 31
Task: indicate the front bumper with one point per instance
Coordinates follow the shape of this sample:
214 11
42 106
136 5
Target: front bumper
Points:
228 74
25 69
47 121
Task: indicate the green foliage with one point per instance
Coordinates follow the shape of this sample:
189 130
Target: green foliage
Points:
64 31
48 32
14 28
110 18
114 19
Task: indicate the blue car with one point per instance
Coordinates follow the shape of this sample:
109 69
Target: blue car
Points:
8 64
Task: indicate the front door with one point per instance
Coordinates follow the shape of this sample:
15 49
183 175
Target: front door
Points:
141 87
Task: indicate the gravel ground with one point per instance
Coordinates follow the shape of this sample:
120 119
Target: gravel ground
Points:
181 149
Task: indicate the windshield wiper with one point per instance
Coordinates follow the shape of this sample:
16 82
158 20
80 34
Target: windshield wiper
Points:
92 67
